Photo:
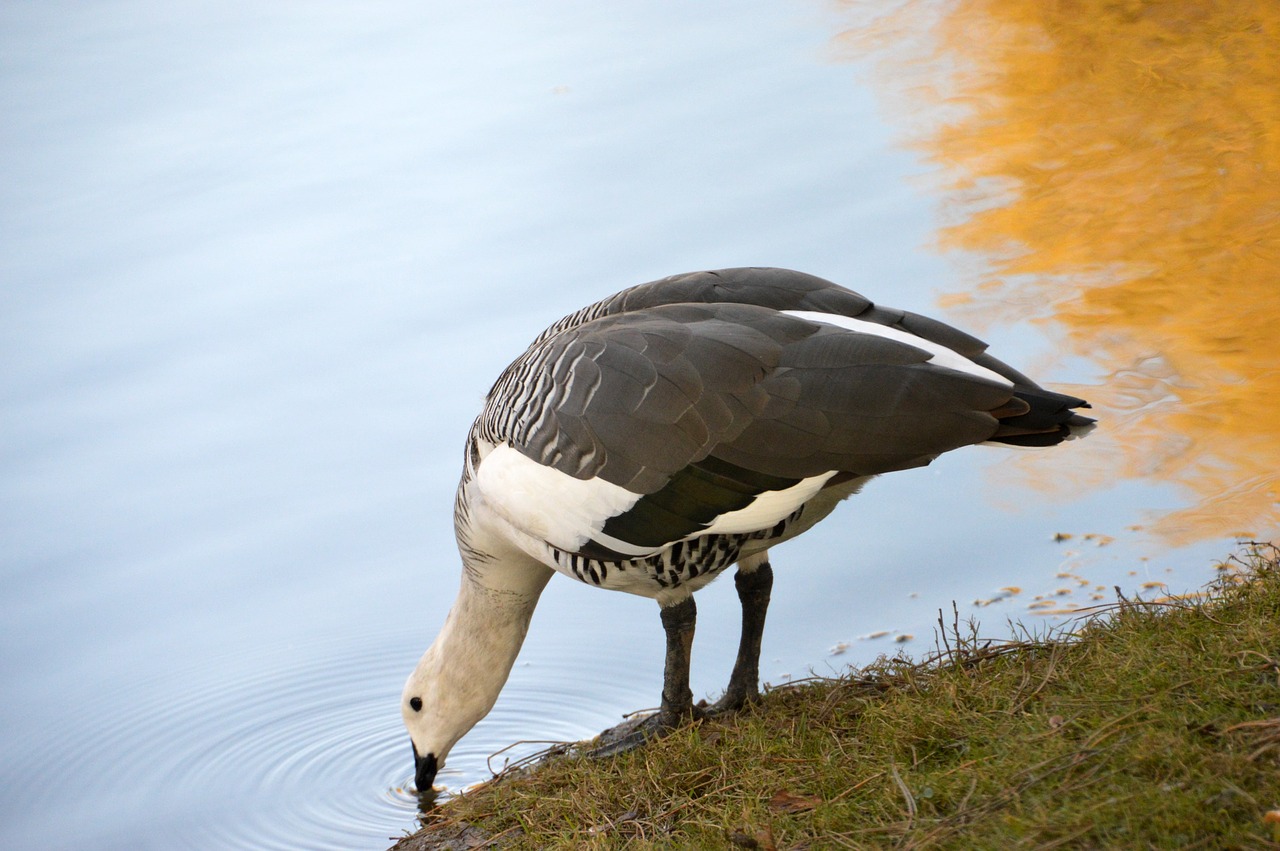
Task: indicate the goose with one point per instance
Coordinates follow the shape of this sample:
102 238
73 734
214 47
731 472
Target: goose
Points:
651 440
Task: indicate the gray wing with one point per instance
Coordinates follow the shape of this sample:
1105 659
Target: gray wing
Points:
701 406
782 289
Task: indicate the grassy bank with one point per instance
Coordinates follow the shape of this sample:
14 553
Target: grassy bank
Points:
1154 725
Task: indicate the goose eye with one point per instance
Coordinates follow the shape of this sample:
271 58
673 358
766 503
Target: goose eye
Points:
416 703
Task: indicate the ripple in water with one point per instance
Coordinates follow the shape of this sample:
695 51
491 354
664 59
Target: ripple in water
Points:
306 750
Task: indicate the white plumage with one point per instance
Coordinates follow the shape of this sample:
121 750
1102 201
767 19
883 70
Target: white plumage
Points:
941 355
649 441
550 505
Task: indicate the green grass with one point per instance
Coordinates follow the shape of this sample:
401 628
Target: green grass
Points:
1156 725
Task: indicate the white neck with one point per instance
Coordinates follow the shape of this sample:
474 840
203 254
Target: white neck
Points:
460 676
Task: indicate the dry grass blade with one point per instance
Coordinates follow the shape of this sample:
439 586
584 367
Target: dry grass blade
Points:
1144 725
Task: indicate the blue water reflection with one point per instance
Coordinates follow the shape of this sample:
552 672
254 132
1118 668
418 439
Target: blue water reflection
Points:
259 266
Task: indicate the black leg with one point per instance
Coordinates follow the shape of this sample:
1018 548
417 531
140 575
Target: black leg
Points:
677 698
744 682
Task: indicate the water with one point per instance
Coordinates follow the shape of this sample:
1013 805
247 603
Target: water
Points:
259 266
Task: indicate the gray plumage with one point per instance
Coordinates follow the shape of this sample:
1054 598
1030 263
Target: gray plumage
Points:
650 440
698 392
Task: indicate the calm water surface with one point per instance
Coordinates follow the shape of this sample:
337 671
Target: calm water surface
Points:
259 264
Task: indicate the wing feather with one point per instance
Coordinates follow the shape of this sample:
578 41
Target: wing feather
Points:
698 395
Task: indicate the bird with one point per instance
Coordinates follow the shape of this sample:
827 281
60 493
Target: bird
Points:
648 442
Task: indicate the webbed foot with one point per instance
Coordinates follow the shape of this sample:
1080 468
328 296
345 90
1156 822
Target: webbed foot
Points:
634 732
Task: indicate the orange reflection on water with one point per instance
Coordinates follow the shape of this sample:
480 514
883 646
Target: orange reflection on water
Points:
1115 165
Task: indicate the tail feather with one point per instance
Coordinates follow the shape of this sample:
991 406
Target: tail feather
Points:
1047 419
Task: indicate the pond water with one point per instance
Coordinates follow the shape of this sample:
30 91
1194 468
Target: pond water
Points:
261 262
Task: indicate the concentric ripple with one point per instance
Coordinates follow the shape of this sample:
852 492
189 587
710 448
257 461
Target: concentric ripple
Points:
283 748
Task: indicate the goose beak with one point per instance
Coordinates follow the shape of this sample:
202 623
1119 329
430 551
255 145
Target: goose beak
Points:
424 771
